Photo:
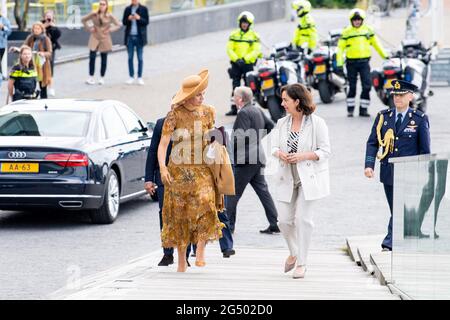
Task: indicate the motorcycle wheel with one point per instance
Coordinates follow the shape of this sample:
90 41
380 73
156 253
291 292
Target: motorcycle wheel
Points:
326 91
275 108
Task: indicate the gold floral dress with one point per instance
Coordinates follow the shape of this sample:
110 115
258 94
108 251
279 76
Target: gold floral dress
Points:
190 211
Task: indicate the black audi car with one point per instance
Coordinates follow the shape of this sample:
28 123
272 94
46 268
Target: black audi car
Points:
71 154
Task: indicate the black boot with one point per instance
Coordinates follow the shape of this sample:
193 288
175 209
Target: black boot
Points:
233 111
166 260
363 113
350 111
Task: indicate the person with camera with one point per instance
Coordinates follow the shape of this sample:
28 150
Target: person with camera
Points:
100 24
53 32
23 77
243 48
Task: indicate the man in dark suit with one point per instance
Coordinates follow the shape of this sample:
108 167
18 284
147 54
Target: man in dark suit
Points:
153 182
401 131
248 157
135 19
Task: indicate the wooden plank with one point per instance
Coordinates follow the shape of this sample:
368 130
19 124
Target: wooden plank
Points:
247 275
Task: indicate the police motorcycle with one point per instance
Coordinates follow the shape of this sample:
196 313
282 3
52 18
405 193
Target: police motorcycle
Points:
412 64
283 66
319 69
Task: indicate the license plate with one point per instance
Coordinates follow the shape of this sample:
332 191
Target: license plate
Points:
19 167
321 68
267 84
388 84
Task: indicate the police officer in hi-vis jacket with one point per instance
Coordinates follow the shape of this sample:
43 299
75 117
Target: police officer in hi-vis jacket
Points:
356 42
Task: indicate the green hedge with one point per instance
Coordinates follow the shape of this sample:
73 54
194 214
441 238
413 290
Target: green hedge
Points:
333 3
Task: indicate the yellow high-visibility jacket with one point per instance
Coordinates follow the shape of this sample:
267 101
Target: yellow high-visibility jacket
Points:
356 43
305 32
244 45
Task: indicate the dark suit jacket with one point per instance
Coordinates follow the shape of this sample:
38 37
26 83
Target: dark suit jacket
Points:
152 165
142 24
246 136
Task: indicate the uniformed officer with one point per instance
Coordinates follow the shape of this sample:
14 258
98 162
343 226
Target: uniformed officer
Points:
356 42
23 77
243 48
306 32
400 132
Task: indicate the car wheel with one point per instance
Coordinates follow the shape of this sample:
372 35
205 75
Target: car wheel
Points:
109 210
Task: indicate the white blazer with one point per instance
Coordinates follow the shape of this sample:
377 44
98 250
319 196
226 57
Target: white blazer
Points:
314 175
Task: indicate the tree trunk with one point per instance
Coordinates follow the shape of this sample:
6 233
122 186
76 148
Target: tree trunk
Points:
21 19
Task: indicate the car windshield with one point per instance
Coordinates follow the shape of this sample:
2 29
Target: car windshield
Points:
44 123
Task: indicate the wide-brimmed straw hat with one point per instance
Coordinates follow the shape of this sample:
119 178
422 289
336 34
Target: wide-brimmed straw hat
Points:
191 86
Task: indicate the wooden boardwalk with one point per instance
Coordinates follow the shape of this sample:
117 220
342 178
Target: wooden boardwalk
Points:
250 274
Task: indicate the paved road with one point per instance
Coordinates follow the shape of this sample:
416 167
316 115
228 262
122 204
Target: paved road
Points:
40 253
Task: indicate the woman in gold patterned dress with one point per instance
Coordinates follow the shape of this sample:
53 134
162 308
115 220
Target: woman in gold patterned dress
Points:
190 207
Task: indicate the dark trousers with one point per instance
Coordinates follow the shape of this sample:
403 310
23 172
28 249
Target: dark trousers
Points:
2 52
237 74
434 189
389 192
43 93
52 61
244 175
160 193
134 44
104 61
363 69
226 242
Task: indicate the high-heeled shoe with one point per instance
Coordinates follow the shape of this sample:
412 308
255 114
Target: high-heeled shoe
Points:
200 263
289 266
299 272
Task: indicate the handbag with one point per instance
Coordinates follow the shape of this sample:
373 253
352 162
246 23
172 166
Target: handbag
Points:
219 163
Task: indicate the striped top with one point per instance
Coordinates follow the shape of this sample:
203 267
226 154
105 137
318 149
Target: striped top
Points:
292 142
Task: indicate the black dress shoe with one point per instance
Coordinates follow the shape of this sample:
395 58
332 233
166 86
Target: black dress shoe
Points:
227 253
364 113
166 260
350 114
270 230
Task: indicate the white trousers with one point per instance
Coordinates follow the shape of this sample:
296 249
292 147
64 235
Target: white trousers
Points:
296 224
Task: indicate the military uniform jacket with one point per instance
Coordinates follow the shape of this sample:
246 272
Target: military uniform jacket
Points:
412 139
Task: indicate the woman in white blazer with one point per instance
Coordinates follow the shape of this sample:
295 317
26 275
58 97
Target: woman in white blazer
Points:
302 148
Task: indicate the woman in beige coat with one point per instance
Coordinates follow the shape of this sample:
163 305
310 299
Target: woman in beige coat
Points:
100 24
42 47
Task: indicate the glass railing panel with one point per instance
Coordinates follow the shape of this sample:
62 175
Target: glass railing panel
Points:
421 245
